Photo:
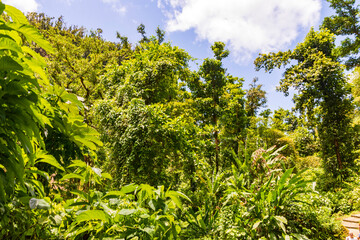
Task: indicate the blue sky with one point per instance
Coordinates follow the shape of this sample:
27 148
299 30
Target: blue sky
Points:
248 27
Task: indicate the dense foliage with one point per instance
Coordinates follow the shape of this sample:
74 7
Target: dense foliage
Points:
104 140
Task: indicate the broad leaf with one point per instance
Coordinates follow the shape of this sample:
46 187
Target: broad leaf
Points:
8 43
91 215
16 15
49 159
7 63
32 35
127 211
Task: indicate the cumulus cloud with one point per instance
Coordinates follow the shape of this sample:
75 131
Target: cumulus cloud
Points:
247 26
116 6
23 5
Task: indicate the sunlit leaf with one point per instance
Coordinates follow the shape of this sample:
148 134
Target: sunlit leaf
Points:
91 215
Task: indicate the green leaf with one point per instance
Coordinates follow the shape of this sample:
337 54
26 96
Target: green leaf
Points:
78 163
112 194
180 194
43 157
91 215
7 63
256 225
81 203
285 175
72 175
38 57
127 211
300 236
149 231
32 35
38 203
202 223
129 188
8 43
281 219
176 200
106 176
16 15
37 68
2 7
81 194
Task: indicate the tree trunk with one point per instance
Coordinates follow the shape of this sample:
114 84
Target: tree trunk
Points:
338 157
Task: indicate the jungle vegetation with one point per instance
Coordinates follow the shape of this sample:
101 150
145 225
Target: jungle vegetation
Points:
121 140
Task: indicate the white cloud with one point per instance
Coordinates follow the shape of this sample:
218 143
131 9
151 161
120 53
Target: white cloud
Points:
247 26
116 6
23 5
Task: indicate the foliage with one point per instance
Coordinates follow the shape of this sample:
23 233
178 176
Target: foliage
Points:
79 59
140 118
196 132
345 23
255 98
323 95
216 94
21 106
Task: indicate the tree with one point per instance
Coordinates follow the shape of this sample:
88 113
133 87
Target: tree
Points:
323 94
210 91
80 59
255 98
345 23
143 117
27 112
284 120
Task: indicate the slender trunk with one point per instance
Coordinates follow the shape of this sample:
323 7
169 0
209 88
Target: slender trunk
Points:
338 157
217 149
217 143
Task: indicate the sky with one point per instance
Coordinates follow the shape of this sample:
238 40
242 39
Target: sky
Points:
248 27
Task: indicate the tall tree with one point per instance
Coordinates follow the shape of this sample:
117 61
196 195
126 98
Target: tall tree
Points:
143 117
323 94
255 98
215 93
345 23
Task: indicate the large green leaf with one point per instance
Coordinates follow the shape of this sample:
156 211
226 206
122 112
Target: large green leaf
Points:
15 14
127 211
42 156
284 177
2 7
78 163
7 63
8 43
32 35
91 215
34 66
72 175
129 188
